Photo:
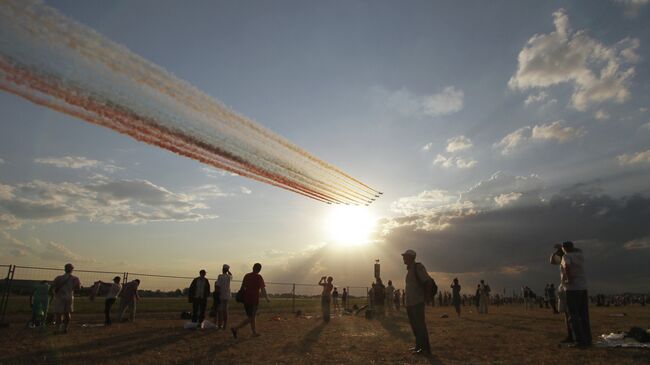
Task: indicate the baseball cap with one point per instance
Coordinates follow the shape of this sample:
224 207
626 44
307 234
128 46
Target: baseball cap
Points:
409 253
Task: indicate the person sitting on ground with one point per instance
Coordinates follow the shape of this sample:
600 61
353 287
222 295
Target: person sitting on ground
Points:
326 296
128 299
198 295
252 285
64 287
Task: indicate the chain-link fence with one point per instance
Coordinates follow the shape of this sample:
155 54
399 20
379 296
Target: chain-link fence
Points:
159 293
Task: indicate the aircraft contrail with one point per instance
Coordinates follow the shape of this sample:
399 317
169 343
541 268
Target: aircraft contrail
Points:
52 60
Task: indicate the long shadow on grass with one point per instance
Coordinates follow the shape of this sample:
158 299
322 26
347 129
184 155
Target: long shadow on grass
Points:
498 324
311 338
391 325
118 345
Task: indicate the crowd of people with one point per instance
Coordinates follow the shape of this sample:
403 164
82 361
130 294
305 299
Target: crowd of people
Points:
569 298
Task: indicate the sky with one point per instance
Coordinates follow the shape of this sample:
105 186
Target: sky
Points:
494 129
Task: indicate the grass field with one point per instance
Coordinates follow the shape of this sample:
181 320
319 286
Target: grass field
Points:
508 335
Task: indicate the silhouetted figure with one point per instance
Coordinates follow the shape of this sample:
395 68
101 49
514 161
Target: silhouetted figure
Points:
455 295
335 299
344 298
477 297
198 295
390 294
128 299
326 296
556 259
419 286
111 297
397 299
64 287
379 297
39 301
222 286
575 282
484 299
252 285
552 298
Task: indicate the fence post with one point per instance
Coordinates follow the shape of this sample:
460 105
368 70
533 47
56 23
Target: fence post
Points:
293 298
4 300
125 278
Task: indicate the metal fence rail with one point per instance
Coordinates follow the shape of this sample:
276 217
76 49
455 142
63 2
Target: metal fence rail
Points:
19 281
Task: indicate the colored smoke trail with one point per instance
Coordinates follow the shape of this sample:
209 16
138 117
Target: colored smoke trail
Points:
56 62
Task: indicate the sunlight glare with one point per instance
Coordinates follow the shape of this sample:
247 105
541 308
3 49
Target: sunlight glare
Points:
350 225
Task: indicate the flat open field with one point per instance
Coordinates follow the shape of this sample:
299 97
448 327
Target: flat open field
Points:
508 335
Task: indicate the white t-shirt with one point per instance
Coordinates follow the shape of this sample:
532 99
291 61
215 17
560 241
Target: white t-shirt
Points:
66 284
113 291
223 282
573 271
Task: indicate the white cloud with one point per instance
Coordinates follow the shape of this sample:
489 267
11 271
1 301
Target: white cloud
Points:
453 161
512 140
598 73
406 103
536 98
631 8
458 144
35 249
635 158
638 244
550 131
504 199
76 162
427 147
601 115
102 200
245 190
555 131
513 270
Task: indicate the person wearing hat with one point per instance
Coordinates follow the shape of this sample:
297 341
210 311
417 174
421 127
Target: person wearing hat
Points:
222 287
198 295
418 286
64 287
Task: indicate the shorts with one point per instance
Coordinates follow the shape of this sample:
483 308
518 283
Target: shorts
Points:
251 309
63 305
223 305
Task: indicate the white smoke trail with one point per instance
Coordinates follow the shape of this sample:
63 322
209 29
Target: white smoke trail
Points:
54 61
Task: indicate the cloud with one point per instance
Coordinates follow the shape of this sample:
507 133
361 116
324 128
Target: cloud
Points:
536 98
544 132
631 8
76 162
512 140
245 190
101 200
475 234
505 199
452 161
597 72
555 131
459 143
47 252
638 244
427 147
635 158
406 103
601 115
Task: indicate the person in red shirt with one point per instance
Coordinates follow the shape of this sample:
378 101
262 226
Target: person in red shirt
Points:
252 285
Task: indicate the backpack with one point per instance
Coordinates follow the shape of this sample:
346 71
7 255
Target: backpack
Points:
434 288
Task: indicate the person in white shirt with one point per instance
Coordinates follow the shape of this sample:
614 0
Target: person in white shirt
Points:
64 287
222 286
556 259
575 282
111 297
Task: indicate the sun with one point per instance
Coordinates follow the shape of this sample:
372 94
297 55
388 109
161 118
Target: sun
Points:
350 225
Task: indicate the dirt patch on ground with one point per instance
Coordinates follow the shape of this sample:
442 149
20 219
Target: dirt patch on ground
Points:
508 335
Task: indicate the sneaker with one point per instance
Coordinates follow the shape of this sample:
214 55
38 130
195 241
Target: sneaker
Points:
255 334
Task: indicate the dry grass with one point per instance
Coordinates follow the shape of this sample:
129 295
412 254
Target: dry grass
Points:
508 335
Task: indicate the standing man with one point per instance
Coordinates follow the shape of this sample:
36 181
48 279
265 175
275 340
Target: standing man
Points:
128 298
344 299
326 296
484 297
252 285
390 296
419 286
64 287
556 259
575 282
455 296
198 295
111 297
